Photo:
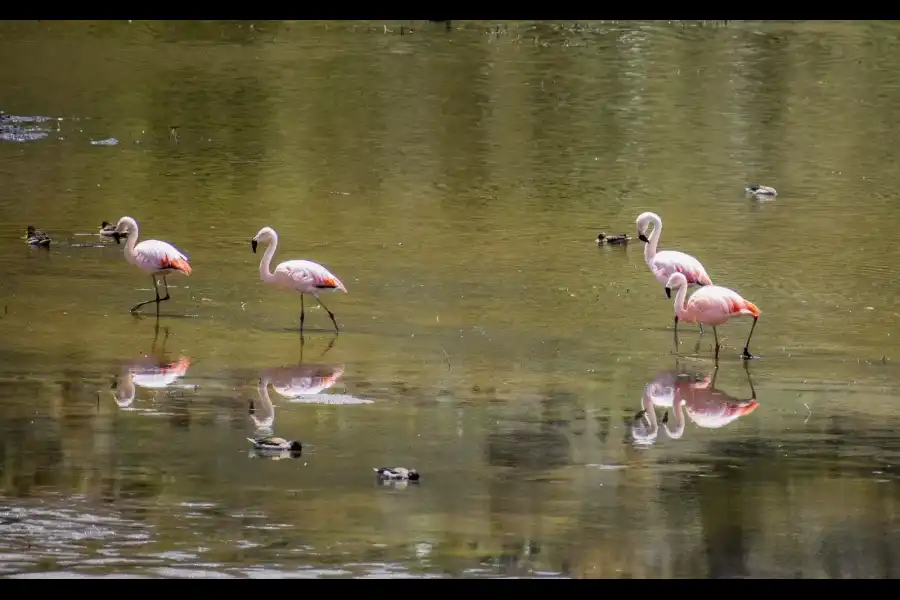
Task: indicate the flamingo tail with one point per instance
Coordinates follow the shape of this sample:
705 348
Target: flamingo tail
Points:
179 264
750 307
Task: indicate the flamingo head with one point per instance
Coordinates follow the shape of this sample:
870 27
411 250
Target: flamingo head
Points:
125 226
30 230
643 222
676 280
264 235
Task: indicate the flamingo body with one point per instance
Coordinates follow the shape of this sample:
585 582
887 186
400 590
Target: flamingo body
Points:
306 277
159 258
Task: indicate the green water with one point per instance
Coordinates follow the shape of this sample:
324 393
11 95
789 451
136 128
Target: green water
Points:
455 181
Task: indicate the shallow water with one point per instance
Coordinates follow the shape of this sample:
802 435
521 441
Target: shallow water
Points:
455 182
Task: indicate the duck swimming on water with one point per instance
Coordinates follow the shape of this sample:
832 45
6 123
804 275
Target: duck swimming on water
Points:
108 229
275 444
36 237
612 240
760 190
397 473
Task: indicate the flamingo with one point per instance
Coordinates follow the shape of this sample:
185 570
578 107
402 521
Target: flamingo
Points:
662 264
151 256
711 304
302 276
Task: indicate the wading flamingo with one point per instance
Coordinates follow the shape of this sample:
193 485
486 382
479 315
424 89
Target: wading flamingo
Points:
663 263
711 304
150 256
302 276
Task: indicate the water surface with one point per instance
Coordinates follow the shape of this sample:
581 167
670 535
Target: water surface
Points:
455 181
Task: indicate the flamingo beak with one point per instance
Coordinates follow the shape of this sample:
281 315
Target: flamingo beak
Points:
668 292
643 238
117 236
253 244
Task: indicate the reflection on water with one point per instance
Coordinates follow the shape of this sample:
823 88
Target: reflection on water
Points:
457 180
683 391
153 371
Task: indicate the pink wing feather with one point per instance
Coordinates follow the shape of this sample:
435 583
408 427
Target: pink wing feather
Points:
161 256
309 276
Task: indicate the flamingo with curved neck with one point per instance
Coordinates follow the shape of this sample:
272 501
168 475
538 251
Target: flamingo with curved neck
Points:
151 256
665 262
303 276
711 304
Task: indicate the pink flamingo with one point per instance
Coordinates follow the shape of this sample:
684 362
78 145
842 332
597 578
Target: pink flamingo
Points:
662 264
151 256
302 276
711 304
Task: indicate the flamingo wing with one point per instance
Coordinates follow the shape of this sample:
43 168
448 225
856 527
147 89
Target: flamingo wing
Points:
161 256
309 276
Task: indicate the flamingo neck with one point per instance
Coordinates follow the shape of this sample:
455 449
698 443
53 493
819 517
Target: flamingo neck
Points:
680 296
262 390
130 243
678 410
266 261
124 394
650 247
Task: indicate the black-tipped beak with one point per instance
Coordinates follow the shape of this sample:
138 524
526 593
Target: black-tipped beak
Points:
668 292
643 238
254 244
117 236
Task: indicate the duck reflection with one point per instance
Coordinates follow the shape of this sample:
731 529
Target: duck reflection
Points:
151 371
695 394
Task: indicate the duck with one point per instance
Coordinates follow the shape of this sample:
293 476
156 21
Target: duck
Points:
612 240
275 444
760 190
109 229
397 473
36 237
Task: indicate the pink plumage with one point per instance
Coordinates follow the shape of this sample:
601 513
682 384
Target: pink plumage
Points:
151 256
306 277
159 258
666 262
710 305
303 276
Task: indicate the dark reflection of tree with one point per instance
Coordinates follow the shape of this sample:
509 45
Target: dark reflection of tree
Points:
727 514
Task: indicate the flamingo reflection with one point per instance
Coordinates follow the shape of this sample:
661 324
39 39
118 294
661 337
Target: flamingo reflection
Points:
150 371
705 405
265 444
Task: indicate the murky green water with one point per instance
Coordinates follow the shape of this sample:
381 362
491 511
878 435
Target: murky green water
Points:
455 181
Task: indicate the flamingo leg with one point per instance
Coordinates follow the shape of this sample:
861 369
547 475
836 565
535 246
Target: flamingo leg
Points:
302 315
746 355
166 283
330 314
715 333
157 300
